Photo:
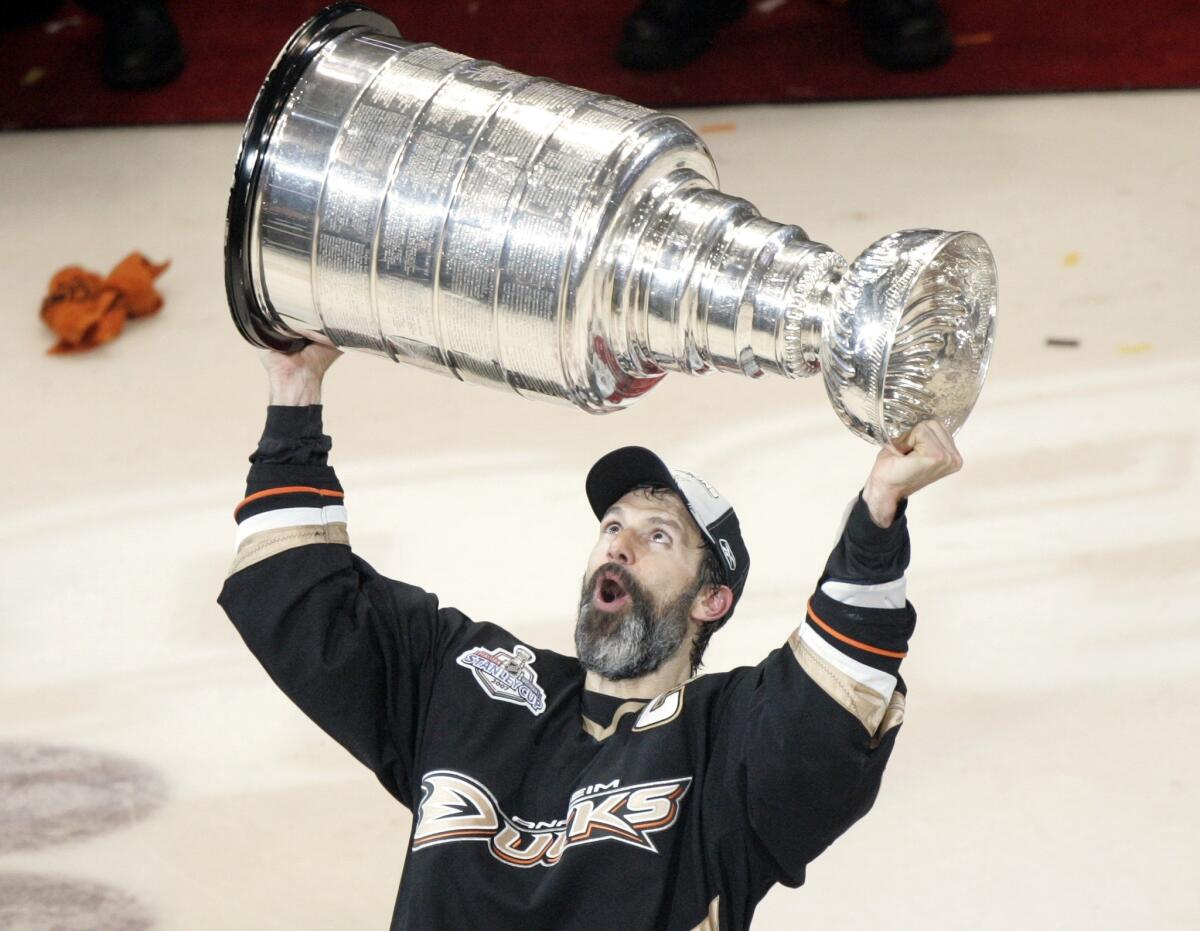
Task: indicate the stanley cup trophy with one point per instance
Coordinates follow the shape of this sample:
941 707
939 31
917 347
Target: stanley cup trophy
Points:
400 199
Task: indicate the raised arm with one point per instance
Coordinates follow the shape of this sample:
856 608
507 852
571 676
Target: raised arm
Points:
355 651
822 713
293 497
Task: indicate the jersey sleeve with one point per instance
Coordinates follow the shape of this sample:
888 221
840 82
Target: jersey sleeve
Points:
813 725
357 652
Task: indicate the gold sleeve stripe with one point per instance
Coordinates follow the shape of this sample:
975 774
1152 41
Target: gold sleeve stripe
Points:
260 546
862 701
289 517
288 490
711 921
879 651
892 717
877 680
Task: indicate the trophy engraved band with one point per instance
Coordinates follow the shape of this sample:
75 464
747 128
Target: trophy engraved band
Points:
445 212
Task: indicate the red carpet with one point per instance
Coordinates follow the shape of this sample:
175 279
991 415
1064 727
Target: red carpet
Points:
782 50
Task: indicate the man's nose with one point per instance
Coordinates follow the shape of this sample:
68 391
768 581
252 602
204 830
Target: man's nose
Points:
621 548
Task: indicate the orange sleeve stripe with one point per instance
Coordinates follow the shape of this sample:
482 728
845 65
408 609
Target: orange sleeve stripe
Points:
287 490
854 643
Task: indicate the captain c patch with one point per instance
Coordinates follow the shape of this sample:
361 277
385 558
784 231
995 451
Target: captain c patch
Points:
507 676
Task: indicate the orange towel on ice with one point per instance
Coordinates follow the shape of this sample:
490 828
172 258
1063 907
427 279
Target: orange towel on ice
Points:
85 310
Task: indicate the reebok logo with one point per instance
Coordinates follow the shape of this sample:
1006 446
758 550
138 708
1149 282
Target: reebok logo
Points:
727 552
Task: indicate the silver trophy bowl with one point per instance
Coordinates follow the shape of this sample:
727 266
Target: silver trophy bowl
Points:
441 211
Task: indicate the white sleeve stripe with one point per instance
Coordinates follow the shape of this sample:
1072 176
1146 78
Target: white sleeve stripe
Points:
884 595
290 517
875 679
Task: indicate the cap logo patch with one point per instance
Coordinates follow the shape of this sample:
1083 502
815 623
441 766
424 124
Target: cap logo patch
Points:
708 487
727 552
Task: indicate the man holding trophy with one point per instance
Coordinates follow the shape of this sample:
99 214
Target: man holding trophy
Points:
446 213
616 790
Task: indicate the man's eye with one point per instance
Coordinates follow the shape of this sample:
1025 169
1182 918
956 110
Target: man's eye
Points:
612 528
660 536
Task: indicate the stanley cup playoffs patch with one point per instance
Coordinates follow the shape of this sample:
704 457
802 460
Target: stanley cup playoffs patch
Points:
507 676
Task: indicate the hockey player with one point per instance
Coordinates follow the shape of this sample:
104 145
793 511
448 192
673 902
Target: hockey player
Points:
616 790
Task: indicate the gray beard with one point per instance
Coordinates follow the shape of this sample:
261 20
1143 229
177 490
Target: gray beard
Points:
634 641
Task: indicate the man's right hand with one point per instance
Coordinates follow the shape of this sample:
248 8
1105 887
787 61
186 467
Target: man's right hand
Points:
295 378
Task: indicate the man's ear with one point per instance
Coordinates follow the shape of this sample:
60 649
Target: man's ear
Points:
712 604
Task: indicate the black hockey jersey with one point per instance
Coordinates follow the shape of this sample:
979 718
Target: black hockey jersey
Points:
540 804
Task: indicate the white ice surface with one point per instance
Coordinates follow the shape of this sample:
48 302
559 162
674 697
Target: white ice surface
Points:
1046 774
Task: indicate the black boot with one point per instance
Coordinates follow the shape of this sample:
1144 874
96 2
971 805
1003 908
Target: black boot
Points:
903 35
141 44
663 34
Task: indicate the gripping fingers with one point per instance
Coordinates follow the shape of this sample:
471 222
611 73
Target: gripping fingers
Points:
933 442
922 456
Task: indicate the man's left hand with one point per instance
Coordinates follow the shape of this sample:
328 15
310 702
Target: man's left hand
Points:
921 456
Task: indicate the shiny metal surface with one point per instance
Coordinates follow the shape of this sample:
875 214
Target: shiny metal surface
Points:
448 213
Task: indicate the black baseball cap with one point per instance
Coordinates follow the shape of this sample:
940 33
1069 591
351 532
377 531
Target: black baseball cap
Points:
624 469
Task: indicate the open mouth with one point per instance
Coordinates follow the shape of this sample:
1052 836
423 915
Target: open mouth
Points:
610 593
